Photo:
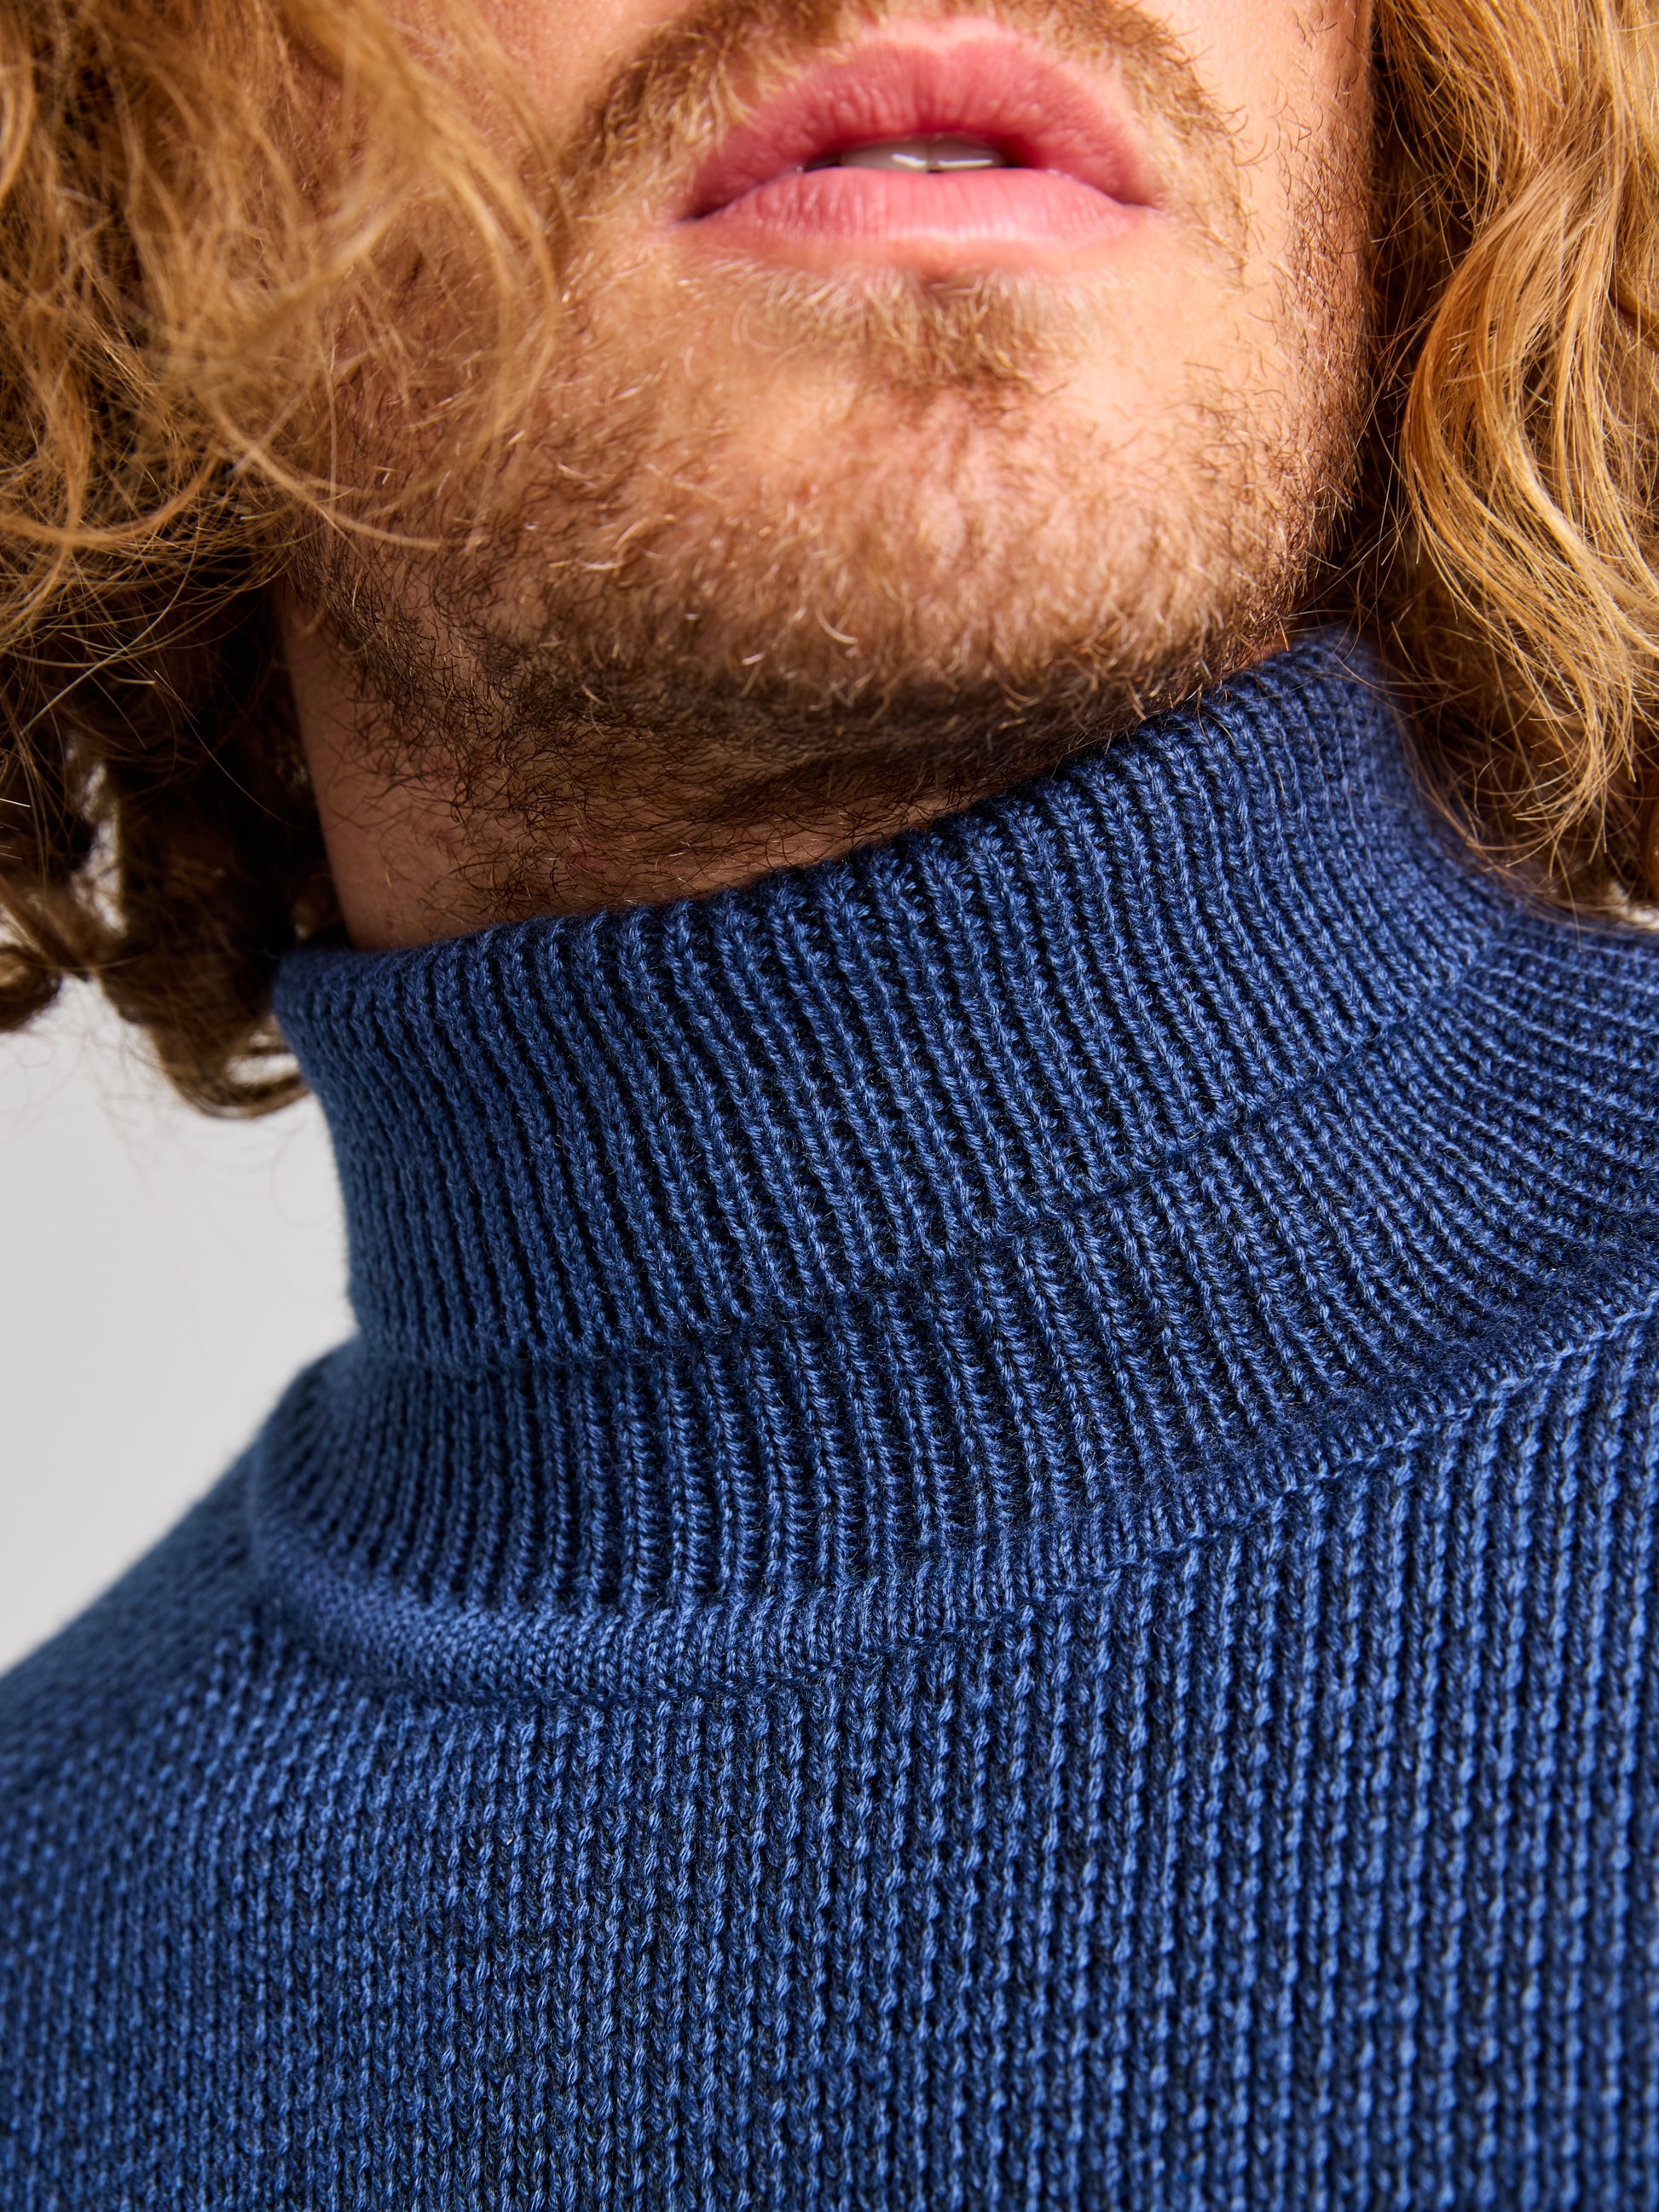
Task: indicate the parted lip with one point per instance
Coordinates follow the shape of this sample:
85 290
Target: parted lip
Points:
997 86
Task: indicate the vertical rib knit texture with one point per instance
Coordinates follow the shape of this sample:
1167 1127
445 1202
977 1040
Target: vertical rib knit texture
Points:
989 1543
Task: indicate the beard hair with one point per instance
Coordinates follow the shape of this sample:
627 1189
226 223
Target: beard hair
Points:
613 653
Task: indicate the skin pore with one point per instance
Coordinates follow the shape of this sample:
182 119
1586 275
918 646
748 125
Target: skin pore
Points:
816 531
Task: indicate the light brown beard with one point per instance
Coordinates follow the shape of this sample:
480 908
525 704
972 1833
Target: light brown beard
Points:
607 677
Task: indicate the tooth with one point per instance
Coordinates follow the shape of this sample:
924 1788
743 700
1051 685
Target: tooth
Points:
920 156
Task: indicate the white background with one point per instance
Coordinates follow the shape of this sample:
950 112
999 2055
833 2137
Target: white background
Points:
162 1276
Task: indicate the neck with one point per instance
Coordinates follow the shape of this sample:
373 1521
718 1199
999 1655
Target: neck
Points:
609 794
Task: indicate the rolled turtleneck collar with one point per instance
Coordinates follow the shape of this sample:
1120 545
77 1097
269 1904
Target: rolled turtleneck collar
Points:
1041 1163
577 1139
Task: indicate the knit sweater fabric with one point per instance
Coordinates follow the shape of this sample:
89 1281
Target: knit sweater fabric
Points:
989 1543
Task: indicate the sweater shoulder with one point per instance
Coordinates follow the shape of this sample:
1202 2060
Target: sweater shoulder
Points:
121 1665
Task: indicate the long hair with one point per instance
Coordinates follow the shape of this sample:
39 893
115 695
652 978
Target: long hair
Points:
176 233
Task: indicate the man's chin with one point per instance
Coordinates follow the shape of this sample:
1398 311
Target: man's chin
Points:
668 689
986 583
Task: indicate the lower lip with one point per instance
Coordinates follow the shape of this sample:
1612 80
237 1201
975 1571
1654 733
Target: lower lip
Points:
885 214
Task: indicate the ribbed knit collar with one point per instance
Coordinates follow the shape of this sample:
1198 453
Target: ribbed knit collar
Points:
1051 1161
577 1139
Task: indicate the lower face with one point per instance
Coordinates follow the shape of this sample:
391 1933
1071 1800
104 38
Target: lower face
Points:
916 355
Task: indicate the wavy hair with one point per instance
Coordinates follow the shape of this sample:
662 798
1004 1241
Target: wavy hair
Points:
176 233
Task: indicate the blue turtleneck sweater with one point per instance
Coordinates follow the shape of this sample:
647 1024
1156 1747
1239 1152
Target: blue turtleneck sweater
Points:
989 1543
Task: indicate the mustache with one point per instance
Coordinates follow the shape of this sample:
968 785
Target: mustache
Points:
691 80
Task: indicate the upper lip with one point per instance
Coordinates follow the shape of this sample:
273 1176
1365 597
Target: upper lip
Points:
991 85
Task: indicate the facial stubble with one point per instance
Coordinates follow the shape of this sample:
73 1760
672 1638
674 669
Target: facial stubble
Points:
644 662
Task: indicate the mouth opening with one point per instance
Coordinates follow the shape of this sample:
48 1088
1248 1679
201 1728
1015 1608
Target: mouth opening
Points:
933 154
